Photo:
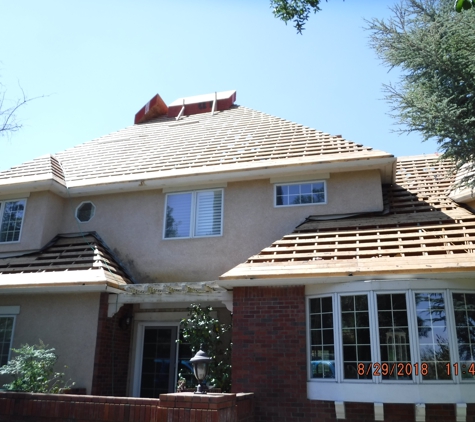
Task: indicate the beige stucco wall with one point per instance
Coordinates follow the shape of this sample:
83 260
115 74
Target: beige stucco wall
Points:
67 322
132 225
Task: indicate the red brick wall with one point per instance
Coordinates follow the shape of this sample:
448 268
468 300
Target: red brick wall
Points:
30 407
269 359
183 407
111 361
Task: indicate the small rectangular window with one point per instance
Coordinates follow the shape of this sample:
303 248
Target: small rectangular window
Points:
11 213
6 334
194 214
300 194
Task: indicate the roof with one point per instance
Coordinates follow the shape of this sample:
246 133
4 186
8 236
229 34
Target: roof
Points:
44 168
69 259
420 231
226 142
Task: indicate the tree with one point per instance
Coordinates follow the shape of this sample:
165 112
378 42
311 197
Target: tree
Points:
296 10
299 10
201 328
8 121
435 95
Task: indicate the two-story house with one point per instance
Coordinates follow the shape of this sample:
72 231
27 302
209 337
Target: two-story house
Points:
365 302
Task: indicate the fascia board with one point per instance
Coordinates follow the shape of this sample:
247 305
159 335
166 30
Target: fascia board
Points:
96 277
32 184
74 288
307 281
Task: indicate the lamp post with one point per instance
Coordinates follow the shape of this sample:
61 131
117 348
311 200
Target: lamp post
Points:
200 364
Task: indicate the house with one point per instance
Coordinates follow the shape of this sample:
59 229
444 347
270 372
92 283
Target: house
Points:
364 304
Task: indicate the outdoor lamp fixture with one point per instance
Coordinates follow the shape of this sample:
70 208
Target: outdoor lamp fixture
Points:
200 364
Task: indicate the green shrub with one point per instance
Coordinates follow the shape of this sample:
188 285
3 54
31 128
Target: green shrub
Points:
33 370
201 328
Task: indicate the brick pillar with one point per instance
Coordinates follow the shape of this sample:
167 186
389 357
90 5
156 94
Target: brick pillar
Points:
111 360
187 407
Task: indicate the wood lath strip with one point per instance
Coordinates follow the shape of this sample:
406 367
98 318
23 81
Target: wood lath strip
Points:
83 252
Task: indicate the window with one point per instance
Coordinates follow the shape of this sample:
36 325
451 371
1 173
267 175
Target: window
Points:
355 335
300 194
6 335
85 211
11 213
464 313
194 214
321 334
433 335
379 337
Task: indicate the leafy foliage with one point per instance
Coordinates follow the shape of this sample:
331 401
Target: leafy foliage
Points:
296 10
33 370
463 5
435 96
201 328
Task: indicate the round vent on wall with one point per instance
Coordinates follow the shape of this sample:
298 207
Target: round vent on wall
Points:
85 211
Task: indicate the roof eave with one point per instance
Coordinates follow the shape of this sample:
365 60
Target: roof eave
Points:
462 195
33 184
438 267
379 160
79 280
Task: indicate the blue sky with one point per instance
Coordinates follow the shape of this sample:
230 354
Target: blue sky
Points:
98 62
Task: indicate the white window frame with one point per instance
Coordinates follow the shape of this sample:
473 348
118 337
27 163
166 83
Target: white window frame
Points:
140 332
276 185
2 210
374 330
10 312
193 214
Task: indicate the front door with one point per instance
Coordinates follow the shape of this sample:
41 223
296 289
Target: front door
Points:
158 372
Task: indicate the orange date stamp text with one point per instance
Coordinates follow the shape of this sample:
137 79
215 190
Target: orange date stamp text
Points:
399 369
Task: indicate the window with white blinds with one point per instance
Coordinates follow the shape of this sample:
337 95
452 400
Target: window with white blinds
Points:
194 214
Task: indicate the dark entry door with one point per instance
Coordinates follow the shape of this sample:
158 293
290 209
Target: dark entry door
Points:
158 361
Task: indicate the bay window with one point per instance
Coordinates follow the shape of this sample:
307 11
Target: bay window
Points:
392 337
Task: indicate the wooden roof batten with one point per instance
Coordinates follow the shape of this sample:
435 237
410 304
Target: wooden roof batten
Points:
421 230
75 257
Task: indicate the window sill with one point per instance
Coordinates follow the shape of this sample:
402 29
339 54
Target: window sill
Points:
440 392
